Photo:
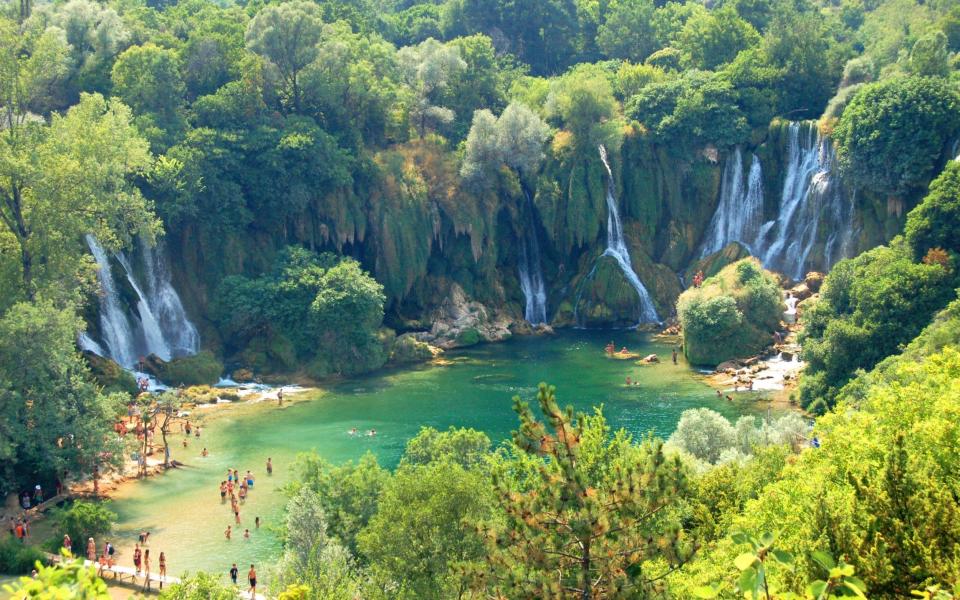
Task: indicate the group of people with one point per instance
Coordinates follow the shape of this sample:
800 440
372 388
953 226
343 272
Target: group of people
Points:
369 433
106 559
698 279
20 528
251 578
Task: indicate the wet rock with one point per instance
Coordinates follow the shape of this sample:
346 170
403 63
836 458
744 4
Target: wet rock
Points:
813 281
242 375
408 349
727 366
462 322
109 374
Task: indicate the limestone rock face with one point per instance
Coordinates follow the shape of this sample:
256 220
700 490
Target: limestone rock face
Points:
460 322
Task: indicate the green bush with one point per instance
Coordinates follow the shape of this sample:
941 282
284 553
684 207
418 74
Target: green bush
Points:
935 222
82 520
731 316
16 558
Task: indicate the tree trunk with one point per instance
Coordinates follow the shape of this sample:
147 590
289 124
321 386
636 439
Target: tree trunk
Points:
585 571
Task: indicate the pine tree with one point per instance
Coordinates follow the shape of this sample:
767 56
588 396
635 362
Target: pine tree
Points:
583 526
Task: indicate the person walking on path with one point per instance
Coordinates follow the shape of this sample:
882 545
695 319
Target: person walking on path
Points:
146 569
67 544
137 555
91 550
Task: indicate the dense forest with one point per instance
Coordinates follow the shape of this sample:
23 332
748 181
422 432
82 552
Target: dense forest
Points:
316 189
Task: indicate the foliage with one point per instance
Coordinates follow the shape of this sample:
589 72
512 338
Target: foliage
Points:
200 586
327 306
935 222
82 520
708 436
70 580
892 133
583 103
576 524
202 368
17 558
421 534
733 314
466 447
713 38
348 493
515 139
66 423
868 307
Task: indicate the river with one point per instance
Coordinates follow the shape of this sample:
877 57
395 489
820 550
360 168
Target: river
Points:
182 508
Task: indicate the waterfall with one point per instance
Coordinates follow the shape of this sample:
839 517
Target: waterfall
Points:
531 273
114 325
813 196
159 325
180 333
617 249
740 210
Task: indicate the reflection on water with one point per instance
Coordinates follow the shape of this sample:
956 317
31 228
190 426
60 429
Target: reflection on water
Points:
182 509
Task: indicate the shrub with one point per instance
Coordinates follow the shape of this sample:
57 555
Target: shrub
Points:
18 559
82 520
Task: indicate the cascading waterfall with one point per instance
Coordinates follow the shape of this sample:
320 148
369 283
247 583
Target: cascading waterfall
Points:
181 335
531 273
617 249
813 199
114 325
158 326
813 196
740 210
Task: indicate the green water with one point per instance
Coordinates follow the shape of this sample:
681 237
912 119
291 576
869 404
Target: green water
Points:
182 509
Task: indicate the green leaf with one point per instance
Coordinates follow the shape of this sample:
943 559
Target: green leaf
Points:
847 570
854 588
748 581
740 538
817 588
782 556
705 591
823 559
767 539
745 561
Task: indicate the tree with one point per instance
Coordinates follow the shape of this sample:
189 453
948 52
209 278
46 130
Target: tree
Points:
628 31
421 534
428 69
466 447
95 33
935 222
515 139
585 515
287 35
82 520
710 39
201 586
92 153
51 418
147 79
930 56
892 133
704 434
582 101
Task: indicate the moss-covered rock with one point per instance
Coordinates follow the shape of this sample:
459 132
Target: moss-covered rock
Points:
732 315
109 375
199 369
712 264
408 349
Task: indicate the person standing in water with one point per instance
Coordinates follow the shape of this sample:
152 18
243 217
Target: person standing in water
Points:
227 533
252 577
269 467
280 397
234 572
674 356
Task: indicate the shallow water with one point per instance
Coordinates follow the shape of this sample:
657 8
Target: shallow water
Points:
182 509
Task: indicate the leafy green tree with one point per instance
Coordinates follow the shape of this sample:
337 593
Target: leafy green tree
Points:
582 102
466 447
91 152
704 434
515 139
930 56
147 79
628 30
82 520
421 535
287 35
349 493
892 133
710 39
868 307
587 514
935 222
51 418
428 69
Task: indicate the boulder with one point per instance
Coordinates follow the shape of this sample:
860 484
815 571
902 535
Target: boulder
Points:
202 368
728 365
408 349
801 291
108 374
460 322
242 375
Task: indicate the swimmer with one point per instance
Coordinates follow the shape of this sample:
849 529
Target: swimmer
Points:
256 522
628 381
353 431
246 534
372 432
228 531
269 467
204 452
719 394
729 399
184 443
